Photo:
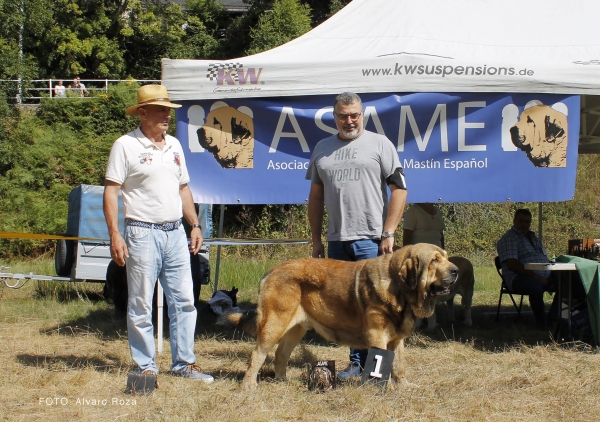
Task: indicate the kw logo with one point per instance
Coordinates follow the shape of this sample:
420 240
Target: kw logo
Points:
233 74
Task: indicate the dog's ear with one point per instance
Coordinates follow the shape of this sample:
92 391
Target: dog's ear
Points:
409 272
553 130
233 295
405 265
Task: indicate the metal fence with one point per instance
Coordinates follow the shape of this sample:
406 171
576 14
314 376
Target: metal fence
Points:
36 89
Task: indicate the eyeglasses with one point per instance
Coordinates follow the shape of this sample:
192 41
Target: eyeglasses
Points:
344 117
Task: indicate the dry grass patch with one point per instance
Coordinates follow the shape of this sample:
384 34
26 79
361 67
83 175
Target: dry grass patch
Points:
69 361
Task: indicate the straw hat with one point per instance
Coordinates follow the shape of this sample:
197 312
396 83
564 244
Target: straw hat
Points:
151 94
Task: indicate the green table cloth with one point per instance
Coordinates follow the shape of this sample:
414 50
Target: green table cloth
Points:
588 271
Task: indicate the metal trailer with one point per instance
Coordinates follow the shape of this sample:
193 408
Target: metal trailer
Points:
78 260
87 259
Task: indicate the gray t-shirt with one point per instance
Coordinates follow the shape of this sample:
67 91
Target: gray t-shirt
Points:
353 175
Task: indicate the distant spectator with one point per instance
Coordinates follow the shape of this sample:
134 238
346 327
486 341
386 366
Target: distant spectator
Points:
79 86
59 90
82 91
423 223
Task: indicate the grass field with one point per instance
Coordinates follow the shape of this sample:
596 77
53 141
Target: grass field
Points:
63 356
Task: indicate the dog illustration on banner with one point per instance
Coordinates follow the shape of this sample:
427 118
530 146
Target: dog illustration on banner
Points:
227 133
541 132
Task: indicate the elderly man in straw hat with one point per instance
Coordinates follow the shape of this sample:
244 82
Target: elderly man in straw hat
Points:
148 167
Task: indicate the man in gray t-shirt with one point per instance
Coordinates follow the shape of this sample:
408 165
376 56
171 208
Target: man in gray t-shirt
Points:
350 173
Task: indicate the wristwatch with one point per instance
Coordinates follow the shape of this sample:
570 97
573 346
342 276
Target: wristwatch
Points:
196 225
385 235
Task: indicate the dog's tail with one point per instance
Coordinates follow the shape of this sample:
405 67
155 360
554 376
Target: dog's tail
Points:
245 321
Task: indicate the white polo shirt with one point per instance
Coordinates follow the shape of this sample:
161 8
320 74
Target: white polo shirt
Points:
150 178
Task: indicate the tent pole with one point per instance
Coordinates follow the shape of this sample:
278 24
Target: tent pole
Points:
221 218
540 221
159 316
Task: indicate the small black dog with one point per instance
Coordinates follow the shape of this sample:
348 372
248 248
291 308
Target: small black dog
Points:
231 293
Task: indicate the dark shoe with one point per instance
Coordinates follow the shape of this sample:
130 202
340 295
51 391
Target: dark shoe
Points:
352 370
193 372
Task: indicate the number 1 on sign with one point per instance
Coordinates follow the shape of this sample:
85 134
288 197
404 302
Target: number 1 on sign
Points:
376 372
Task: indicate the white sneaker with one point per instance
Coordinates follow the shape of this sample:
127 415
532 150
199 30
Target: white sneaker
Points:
193 372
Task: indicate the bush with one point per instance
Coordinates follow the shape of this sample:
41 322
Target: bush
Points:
43 155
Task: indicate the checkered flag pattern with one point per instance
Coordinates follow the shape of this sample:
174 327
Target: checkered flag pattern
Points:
213 69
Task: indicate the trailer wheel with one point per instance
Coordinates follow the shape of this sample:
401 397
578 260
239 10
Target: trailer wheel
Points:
64 257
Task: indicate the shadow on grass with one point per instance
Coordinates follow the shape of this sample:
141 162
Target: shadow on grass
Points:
265 375
485 334
300 358
99 322
488 335
207 326
61 363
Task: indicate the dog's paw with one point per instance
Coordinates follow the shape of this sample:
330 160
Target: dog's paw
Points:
247 386
405 384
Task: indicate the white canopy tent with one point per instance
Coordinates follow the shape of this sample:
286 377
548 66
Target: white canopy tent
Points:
556 43
541 46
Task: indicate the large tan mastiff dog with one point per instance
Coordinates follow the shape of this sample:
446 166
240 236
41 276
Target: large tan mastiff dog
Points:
370 303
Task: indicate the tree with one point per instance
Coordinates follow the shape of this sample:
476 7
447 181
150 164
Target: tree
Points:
109 38
287 20
201 39
74 37
21 20
323 10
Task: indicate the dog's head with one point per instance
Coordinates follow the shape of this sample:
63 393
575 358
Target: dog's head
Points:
542 134
229 134
423 273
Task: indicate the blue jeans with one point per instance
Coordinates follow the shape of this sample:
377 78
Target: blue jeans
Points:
354 250
163 255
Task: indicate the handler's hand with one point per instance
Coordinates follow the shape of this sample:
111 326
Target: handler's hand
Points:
118 249
196 240
318 250
386 245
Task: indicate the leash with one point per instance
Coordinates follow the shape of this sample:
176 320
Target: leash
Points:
14 235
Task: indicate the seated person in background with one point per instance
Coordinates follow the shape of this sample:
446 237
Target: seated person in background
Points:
423 223
521 246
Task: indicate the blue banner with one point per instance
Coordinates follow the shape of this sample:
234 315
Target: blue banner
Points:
454 147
